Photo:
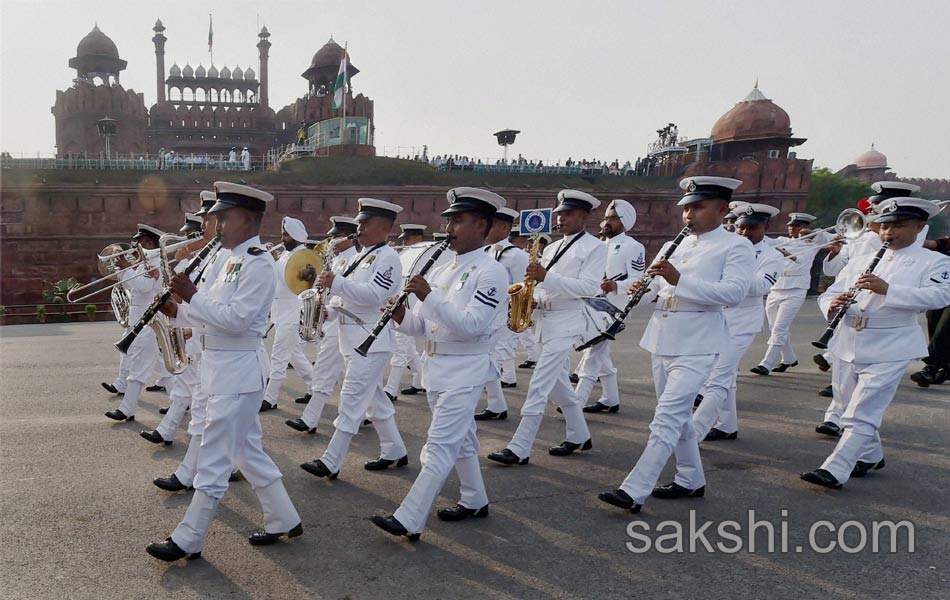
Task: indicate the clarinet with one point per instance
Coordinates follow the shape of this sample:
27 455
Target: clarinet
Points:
852 296
126 342
363 348
617 326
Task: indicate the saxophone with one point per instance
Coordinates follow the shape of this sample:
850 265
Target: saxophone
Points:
313 309
171 340
521 303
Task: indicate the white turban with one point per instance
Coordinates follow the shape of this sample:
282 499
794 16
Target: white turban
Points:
626 212
295 229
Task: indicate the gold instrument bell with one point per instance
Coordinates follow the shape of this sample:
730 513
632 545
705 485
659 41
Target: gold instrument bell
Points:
300 259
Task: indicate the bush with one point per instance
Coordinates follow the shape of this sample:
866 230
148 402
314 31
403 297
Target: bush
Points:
90 309
56 292
41 311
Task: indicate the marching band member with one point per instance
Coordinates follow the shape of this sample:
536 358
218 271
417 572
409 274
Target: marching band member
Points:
788 293
180 388
285 314
328 367
505 342
457 315
879 335
625 262
364 287
571 269
745 320
712 268
405 354
143 353
234 313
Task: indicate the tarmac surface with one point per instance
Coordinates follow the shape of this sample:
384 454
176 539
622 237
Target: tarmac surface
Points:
78 505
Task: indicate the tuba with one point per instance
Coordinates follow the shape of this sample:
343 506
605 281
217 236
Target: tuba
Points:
313 308
521 303
171 340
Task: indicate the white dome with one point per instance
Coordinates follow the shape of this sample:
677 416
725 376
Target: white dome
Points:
213 71
237 73
250 74
225 72
200 72
187 71
175 71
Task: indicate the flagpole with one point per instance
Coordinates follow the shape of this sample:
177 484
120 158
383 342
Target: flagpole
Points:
346 70
210 40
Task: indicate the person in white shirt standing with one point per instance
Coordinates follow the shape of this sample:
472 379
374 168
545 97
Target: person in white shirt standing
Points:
745 321
457 315
406 354
569 270
626 260
505 342
880 334
285 314
711 268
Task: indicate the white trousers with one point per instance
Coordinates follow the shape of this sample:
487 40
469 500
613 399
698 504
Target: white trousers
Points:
596 364
404 356
232 437
840 380
677 380
188 467
362 396
122 378
550 380
781 309
141 360
719 393
327 372
503 355
868 390
179 397
530 343
452 441
288 349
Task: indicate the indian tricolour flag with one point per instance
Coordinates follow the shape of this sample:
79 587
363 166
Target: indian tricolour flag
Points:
339 88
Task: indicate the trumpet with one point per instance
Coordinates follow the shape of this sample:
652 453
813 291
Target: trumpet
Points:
850 224
108 264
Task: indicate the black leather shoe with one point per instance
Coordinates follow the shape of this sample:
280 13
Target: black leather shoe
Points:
568 448
411 391
507 457
829 428
821 477
262 538
823 365
155 437
782 367
111 388
304 399
155 388
319 469
366 423
460 513
118 415
390 525
925 377
826 392
391 397
528 364
697 400
620 499
509 385
861 468
943 374
381 464
299 425
169 551
715 435
574 378
235 475
759 370
674 490
266 406
163 411
171 484
488 415
597 407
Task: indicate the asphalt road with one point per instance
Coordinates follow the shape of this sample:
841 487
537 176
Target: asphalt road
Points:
78 506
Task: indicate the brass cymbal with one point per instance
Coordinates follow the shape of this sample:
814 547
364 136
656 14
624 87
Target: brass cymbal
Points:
298 260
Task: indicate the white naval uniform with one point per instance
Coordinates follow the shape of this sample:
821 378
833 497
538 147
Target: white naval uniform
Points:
457 320
868 242
404 355
328 367
364 293
626 262
505 341
188 467
875 342
288 347
685 335
744 320
560 325
788 294
180 386
233 369
144 350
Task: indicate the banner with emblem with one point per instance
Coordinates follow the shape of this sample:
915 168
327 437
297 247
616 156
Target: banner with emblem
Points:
535 221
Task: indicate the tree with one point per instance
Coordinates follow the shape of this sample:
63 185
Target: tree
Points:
829 194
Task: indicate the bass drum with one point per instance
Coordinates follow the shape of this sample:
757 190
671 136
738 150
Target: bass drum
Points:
414 257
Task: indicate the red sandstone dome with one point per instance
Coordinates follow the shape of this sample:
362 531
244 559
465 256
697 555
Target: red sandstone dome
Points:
872 159
754 118
97 43
326 63
96 53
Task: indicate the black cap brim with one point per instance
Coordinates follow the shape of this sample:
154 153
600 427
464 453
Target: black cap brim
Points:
903 214
572 204
700 196
751 220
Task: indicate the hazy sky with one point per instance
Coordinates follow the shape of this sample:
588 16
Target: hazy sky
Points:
586 79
